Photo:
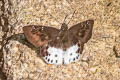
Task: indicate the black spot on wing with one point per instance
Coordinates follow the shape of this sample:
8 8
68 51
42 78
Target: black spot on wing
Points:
76 57
56 55
73 59
48 60
51 61
49 54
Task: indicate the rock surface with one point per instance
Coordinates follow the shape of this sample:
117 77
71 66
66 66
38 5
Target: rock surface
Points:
20 59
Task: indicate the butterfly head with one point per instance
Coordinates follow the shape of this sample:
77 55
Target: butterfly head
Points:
64 27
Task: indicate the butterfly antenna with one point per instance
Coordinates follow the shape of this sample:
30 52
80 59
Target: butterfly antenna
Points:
65 18
72 16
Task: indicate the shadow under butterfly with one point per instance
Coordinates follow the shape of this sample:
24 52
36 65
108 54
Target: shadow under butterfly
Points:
60 46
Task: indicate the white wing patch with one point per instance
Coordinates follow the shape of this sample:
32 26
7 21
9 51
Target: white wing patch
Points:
58 56
55 56
71 55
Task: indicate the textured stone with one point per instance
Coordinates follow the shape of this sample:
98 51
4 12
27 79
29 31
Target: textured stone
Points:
100 63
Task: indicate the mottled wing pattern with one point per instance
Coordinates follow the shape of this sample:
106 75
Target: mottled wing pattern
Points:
39 35
80 33
83 30
58 47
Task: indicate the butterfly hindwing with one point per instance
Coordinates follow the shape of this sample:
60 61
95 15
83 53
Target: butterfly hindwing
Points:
72 54
55 56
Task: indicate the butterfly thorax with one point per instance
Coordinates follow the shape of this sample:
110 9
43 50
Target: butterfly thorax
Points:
64 27
63 31
64 40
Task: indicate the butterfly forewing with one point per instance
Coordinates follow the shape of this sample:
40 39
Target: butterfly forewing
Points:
39 35
83 30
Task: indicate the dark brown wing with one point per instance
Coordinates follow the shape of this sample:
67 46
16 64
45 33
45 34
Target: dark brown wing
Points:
82 31
39 35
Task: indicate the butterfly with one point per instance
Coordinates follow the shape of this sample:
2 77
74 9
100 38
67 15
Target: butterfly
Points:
60 46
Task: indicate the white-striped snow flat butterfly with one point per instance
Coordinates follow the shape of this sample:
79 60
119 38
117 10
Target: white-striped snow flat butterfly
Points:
60 46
